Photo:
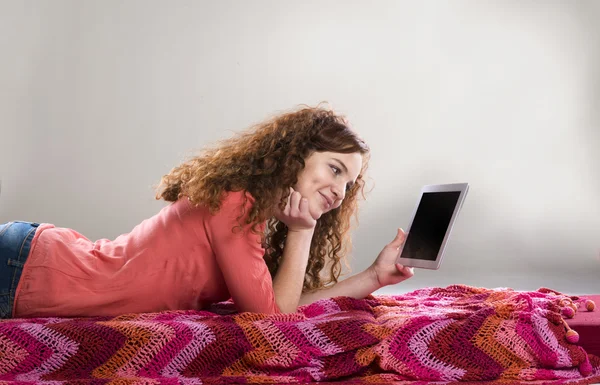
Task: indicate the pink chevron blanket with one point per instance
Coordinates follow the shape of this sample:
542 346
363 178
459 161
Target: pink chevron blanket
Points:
458 334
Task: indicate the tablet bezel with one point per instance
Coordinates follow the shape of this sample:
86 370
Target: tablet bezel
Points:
434 265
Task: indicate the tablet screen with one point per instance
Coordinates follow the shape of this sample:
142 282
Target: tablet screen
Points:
429 225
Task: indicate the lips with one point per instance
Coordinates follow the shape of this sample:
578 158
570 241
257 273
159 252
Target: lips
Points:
328 201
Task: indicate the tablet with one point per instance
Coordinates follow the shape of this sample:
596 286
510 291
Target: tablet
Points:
431 223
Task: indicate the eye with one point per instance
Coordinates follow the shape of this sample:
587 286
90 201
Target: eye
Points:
336 170
348 187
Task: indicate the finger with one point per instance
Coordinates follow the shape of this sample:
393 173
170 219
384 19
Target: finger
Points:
405 270
295 202
303 207
399 240
288 204
305 210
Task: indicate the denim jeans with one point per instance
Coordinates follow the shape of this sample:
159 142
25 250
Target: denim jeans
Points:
15 242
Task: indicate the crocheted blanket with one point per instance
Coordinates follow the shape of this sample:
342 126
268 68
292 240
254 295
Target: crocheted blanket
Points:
457 334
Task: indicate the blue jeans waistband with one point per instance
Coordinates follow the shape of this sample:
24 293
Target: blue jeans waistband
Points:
15 244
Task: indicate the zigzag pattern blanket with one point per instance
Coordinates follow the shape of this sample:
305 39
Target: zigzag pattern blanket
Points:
457 334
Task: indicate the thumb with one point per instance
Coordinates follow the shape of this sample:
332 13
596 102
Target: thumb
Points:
400 237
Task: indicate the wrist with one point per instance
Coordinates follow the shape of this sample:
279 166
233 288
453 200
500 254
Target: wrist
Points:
372 276
302 231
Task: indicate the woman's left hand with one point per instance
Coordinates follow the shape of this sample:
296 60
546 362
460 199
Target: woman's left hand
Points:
385 268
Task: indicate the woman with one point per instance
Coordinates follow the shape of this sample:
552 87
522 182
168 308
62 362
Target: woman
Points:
257 219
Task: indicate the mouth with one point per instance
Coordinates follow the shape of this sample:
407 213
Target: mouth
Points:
327 202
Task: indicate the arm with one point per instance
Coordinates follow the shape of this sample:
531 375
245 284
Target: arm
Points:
239 256
384 271
357 286
289 280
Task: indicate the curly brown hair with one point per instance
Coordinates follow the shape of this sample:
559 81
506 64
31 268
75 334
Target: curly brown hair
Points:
265 161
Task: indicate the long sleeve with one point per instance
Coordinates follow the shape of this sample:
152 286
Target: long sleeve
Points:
239 255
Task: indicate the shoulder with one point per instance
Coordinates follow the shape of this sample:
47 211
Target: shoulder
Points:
235 205
234 211
228 201
232 199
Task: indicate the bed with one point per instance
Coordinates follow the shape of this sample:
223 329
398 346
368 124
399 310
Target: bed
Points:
454 335
587 325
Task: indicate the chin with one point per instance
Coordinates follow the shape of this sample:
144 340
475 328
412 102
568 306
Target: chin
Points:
317 215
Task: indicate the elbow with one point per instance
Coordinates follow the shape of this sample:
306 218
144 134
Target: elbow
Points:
290 310
285 308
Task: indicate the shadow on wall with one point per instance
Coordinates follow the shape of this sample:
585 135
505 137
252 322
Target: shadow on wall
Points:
501 246
480 254
484 251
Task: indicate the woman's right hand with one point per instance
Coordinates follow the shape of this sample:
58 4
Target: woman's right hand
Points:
296 214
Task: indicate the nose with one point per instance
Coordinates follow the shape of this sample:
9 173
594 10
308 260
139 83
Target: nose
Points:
339 192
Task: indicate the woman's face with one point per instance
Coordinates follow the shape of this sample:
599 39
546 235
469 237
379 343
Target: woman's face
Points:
326 178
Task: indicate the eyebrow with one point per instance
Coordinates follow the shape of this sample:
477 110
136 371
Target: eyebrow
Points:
341 164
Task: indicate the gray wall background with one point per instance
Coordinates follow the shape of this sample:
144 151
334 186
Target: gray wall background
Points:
99 99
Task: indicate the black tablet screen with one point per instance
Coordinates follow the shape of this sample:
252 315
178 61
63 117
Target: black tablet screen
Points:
430 224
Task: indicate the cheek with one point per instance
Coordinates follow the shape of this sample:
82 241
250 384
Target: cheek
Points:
314 179
321 177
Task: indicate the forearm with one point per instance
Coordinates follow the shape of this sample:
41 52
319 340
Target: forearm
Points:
357 286
289 280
